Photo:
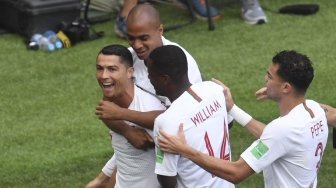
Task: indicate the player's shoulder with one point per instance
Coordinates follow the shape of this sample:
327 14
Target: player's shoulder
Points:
207 86
313 104
168 42
135 57
131 50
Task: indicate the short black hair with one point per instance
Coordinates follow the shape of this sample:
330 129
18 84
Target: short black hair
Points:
170 60
295 68
118 50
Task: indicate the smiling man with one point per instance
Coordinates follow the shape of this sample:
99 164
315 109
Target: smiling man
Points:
145 33
114 73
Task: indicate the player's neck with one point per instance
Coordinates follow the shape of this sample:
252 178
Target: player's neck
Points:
126 98
288 103
179 90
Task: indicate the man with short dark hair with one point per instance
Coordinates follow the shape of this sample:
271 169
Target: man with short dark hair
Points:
114 73
200 108
290 148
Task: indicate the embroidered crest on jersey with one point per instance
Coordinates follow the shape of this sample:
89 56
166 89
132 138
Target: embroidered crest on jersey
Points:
159 155
259 150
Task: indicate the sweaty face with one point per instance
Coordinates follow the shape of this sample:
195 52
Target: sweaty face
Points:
274 83
112 75
144 37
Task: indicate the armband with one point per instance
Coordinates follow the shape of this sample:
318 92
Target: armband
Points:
240 115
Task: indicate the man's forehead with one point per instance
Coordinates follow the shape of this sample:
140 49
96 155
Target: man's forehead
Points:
138 35
108 59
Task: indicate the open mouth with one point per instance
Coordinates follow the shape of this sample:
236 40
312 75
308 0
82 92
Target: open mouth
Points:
107 85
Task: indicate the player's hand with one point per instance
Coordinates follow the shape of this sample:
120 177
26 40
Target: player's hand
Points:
139 138
172 144
227 93
261 94
109 110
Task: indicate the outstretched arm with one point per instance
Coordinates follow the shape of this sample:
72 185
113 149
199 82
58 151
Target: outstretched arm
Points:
111 111
234 172
331 114
255 127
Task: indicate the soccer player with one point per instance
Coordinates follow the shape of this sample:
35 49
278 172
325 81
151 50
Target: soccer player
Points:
290 148
144 30
145 33
200 108
115 77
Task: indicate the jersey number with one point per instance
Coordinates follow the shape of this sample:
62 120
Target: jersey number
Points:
319 151
223 155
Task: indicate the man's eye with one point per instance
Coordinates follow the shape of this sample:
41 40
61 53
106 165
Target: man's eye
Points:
144 38
111 69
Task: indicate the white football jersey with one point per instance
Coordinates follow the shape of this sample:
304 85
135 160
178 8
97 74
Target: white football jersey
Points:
202 112
290 149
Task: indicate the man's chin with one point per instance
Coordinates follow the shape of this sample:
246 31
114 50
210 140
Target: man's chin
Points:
108 94
108 98
142 56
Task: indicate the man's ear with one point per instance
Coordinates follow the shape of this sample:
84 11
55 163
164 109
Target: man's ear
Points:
130 72
287 87
161 29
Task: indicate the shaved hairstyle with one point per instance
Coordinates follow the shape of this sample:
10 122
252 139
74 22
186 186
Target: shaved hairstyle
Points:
144 13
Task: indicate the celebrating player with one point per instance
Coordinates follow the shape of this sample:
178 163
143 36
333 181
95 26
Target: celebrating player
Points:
290 148
200 108
115 77
145 33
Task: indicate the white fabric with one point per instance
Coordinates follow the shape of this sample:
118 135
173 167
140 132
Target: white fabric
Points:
109 167
240 115
288 150
204 122
141 79
141 73
135 166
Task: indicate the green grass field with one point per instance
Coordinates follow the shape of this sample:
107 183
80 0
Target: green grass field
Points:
50 137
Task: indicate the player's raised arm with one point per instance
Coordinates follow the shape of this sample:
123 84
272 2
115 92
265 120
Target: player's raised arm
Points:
255 127
111 111
234 172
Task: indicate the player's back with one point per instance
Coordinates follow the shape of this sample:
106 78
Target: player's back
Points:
305 134
202 112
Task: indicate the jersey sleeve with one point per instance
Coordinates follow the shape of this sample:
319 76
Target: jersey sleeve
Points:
267 149
109 167
166 163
